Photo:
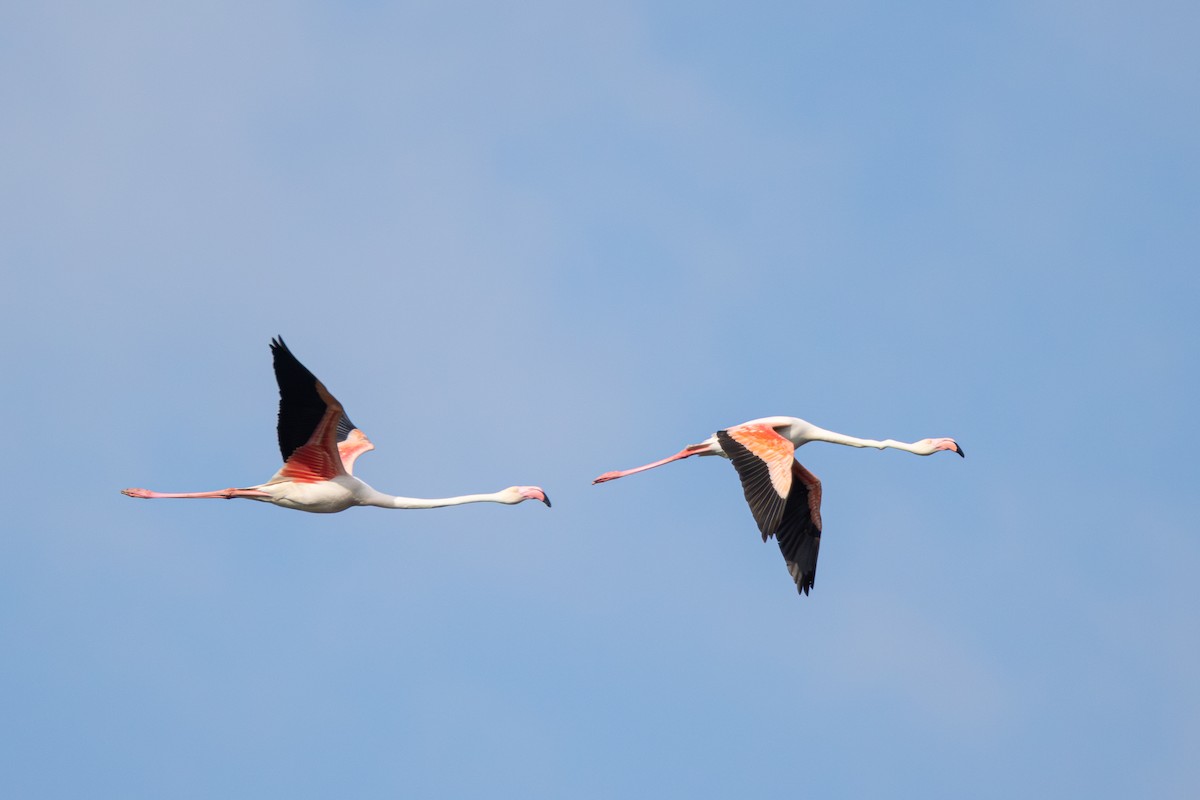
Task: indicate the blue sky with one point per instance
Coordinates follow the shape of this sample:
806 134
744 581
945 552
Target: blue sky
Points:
529 245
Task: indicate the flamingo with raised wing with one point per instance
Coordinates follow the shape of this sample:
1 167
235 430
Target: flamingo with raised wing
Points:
784 497
320 444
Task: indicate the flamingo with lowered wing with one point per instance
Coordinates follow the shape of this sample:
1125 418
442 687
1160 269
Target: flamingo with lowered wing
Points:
784 497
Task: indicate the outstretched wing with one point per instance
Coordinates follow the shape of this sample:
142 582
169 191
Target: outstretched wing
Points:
799 532
763 460
784 497
311 422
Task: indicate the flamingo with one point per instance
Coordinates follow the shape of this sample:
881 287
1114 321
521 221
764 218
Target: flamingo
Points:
320 444
784 497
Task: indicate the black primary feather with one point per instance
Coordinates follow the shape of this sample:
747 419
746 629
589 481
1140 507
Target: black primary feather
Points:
300 405
799 534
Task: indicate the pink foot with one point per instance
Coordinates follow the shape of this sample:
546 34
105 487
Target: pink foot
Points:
606 477
136 493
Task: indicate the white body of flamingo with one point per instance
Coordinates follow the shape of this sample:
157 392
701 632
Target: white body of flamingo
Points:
319 444
784 497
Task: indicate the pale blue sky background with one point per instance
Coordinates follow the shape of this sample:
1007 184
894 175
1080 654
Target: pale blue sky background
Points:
529 244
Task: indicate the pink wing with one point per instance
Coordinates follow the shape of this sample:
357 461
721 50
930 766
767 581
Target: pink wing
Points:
784 497
311 421
763 460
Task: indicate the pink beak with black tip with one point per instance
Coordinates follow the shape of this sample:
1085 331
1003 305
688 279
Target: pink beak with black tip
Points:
534 493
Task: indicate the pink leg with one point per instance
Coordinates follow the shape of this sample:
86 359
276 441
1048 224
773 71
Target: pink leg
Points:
227 494
690 450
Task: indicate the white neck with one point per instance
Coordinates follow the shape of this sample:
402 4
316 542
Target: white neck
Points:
815 434
381 500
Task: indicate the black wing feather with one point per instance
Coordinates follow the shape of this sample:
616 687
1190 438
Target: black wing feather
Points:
799 531
300 405
344 427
